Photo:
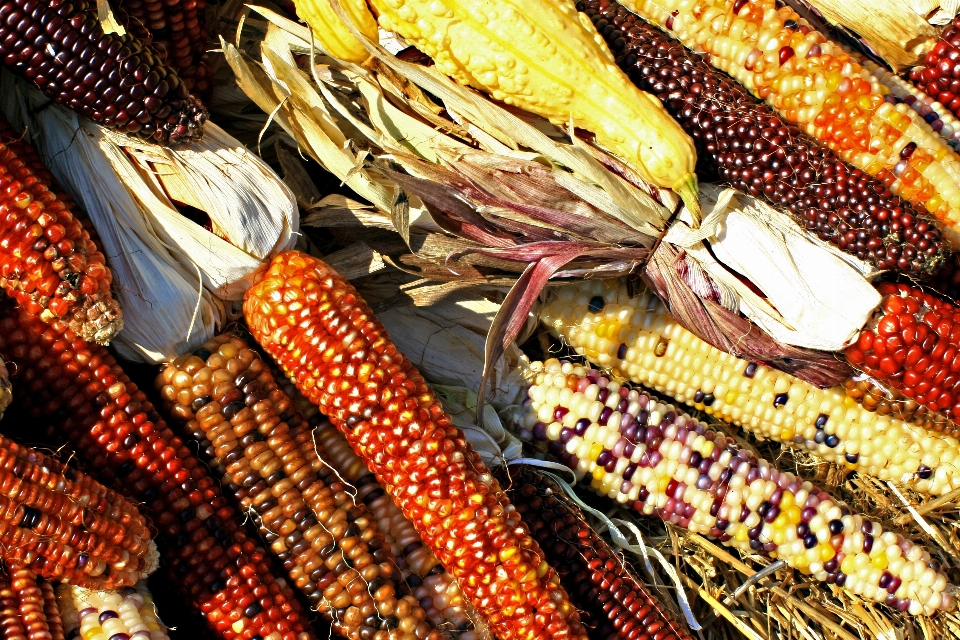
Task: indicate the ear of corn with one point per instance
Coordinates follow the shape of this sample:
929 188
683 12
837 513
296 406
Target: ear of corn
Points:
28 610
939 76
47 260
124 442
539 56
228 400
332 33
117 81
95 615
827 93
658 461
51 611
744 142
637 338
313 323
887 400
600 583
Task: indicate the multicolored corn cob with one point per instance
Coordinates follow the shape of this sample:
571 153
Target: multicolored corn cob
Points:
940 74
228 401
103 615
744 142
313 323
602 586
658 461
638 339
64 525
812 82
432 585
117 81
47 260
176 29
114 428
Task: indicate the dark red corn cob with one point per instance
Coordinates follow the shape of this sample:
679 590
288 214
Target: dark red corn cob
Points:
612 599
48 262
313 323
113 426
744 142
117 81
913 345
939 76
177 31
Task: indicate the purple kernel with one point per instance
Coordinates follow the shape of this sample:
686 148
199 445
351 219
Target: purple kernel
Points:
867 544
751 370
603 395
703 482
807 514
655 458
540 431
566 435
884 580
623 405
604 457
810 541
771 514
830 566
695 459
908 150
803 530
581 427
643 494
628 450
605 416
629 470
895 583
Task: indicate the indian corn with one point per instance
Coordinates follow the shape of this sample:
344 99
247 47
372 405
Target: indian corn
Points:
27 609
657 461
811 81
538 55
939 76
102 615
313 323
637 338
745 143
227 399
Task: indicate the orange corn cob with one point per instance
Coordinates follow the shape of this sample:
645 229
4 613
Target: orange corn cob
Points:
51 610
47 260
811 81
126 444
311 320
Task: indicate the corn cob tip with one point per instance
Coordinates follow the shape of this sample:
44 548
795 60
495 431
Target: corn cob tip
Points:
188 127
688 191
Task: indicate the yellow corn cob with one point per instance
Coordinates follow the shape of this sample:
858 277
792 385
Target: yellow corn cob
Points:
541 57
811 81
332 33
639 340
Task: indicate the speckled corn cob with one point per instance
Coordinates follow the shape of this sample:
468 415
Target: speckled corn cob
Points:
658 461
618 604
637 338
227 400
886 400
432 585
47 260
103 615
124 442
313 323
812 82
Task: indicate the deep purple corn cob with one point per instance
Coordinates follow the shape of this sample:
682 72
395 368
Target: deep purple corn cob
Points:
744 142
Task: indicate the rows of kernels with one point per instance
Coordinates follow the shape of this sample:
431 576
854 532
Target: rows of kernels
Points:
30 604
940 73
126 445
102 615
637 338
432 585
886 400
313 323
600 583
64 525
812 82
658 461
743 142
229 402
913 345
51 611
11 624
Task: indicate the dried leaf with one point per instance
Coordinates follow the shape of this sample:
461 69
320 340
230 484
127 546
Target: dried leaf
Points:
356 261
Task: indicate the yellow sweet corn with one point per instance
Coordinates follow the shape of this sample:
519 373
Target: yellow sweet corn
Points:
330 31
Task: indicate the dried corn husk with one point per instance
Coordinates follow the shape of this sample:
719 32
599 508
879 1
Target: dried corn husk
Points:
171 274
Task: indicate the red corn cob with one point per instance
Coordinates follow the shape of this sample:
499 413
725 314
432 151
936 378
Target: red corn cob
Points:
311 320
115 429
940 74
600 583
47 260
51 610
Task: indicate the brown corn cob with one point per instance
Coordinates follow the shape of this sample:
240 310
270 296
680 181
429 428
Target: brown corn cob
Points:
437 590
117 81
47 260
51 610
600 583
228 400
11 625
123 440
312 321
30 603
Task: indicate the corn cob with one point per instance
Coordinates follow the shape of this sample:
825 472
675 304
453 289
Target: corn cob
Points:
64 525
810 81
330 31
744 142
51 611
47 260
313 323
27 608
113 426
886 400
939 76
539 56
432 585
637 337
658 461
99 615
176 29
600 583
114 80
228 400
